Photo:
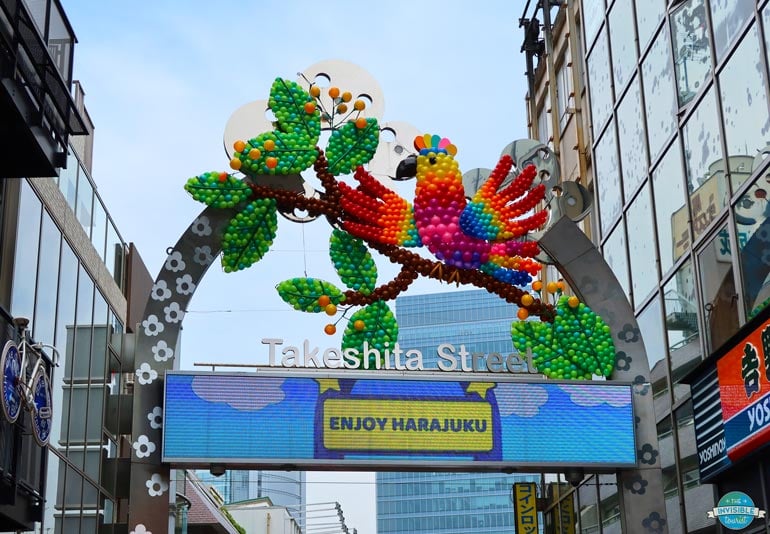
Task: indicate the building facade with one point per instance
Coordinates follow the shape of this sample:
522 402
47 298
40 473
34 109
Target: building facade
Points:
660 110
409 503
65 267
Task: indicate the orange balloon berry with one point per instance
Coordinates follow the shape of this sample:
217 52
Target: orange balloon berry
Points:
560 285
235 164
551 287
573 301
359 325
330 309
330 329
255 153
361 123
334 92
309 107
222 176
239 146
537 285
522 313
346 96
359 105
315 91
324 301
269 144
271 162
527 300
342 108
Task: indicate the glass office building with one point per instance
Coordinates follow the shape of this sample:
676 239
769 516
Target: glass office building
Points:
660 109
409 503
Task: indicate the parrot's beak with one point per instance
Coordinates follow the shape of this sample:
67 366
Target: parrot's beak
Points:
407 168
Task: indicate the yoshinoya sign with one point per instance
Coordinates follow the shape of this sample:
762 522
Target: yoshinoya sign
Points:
449 358
388 420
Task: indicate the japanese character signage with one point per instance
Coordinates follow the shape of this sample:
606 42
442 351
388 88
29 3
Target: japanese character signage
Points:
525 507
744 387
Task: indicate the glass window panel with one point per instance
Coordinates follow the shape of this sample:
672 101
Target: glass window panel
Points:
622 42
670 210
68 179
641 246
600 83
543 125
659 94
25 258
52 496
682 324
745 109
699 498
648 15
44 319
85 202
753 228
766 26
692 54
115 254
614 252
608 179
727 17
651 327
704 164
99 231
633 157
85 306
593 13
564 90
718 290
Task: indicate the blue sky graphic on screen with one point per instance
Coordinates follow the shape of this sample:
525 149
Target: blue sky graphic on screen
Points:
271 420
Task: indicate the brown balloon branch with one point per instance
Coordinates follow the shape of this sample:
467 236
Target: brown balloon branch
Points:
412 265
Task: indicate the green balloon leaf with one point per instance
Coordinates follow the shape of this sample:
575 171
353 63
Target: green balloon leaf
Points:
353 262
217 189
249 234
290 104
577 345
303 293
351 146
279 153
378 326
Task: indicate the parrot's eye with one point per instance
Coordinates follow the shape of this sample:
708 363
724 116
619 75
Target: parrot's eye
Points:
432 161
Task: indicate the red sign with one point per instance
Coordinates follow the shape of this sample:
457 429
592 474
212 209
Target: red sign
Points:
744 388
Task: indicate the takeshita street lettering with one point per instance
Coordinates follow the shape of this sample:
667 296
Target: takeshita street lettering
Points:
450 358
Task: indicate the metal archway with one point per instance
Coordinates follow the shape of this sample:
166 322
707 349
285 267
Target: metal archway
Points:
158 336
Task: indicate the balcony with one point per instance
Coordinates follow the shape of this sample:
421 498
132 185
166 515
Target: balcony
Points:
36 51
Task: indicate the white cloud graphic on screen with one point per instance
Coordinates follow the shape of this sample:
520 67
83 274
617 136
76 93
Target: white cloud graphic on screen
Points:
589 395
523 400
240 392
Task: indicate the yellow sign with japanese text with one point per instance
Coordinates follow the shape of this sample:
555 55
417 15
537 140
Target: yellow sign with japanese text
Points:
525 507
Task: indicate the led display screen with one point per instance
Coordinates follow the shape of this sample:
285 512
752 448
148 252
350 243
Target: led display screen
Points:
351 420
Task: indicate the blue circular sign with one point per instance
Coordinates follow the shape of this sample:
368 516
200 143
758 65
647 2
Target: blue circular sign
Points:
736 510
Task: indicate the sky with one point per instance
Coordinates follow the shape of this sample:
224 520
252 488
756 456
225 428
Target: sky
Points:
162 79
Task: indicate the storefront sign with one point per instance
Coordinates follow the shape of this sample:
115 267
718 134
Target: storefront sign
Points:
744 389
358 419
525 507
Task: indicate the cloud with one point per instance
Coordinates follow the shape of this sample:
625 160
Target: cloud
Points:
245 393
523 400
593 395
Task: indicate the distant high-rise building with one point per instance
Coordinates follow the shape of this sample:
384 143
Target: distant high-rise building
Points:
411 503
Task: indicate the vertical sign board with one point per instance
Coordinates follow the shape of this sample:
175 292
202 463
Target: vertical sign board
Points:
744 388
362 419
561 517
525 507
709 426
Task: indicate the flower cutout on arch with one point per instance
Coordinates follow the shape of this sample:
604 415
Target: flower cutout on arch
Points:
629 334
647 454
156 418
140 529
152 326
636 484
203 256
162 352
146 374
174 313
654 523
174 262
641 385
156 486
201 226
160 291
185 285
144 447
623 361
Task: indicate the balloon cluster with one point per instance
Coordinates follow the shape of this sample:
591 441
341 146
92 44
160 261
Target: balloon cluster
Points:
377 327
310 295
217 189
352 262
249 234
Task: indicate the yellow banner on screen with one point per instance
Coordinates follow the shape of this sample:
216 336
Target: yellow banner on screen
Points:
407 425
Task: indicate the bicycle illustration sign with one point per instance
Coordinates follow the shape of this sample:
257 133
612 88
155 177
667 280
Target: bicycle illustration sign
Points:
269 418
